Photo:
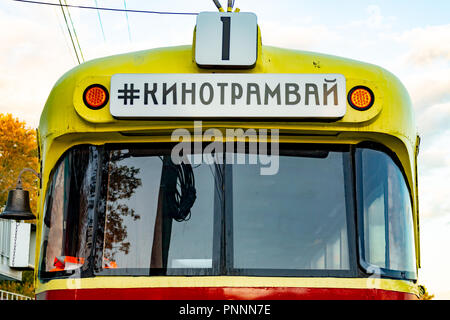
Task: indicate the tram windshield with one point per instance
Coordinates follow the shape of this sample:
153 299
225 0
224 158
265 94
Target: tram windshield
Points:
129 210
386 222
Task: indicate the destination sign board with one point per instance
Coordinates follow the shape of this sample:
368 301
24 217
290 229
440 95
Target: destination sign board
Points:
228 95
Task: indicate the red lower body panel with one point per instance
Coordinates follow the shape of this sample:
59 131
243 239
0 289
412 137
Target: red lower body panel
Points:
225 293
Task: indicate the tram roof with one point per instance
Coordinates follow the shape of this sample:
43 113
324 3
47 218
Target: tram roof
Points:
66 121
392 113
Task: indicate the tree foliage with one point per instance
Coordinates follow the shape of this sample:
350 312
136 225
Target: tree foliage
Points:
24 287
18 150
122 185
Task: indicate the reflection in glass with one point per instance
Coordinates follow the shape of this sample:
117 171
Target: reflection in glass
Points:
296 219
121 185
69 212
142 231
129 210
387 213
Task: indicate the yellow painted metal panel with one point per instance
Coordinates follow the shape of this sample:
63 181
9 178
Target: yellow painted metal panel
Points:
66 121
254 282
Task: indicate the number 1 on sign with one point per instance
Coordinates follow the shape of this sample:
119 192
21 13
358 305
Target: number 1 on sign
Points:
226 39
226 22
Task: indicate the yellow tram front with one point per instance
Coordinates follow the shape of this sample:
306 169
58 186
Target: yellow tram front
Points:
297 181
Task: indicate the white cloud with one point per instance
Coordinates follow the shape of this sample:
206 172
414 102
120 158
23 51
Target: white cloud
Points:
296 36
434 175
435 236
425 66
375 18
429 86
434 119
427 44
26 47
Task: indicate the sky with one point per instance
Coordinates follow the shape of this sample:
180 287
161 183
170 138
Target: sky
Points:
410 38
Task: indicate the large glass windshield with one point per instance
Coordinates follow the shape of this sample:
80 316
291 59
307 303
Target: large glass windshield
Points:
129 210
68 233
142 234
296 219
385 216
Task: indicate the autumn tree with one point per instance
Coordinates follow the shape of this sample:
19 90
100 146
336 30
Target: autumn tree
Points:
24 287
18 150
121 186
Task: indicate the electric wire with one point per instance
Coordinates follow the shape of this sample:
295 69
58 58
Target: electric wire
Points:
108 9
128 22
70 33
74 32
100 20
64 35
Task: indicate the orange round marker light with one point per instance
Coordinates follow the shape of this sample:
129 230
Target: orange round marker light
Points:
361 98
95 96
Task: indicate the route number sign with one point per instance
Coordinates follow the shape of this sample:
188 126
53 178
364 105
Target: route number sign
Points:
226 39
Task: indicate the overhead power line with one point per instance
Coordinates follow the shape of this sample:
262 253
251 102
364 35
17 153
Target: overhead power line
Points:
56 12
128 22
70 33
74 32
100 20
107 9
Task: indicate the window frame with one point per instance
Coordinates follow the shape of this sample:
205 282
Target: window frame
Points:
296 148
101 213
222 245
86 272
368 268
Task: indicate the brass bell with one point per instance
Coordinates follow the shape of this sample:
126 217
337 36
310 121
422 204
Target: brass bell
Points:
18 203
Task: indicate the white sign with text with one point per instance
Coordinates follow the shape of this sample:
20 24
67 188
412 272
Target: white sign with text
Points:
226 39
228 96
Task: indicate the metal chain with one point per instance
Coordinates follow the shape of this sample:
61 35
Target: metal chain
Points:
15 243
